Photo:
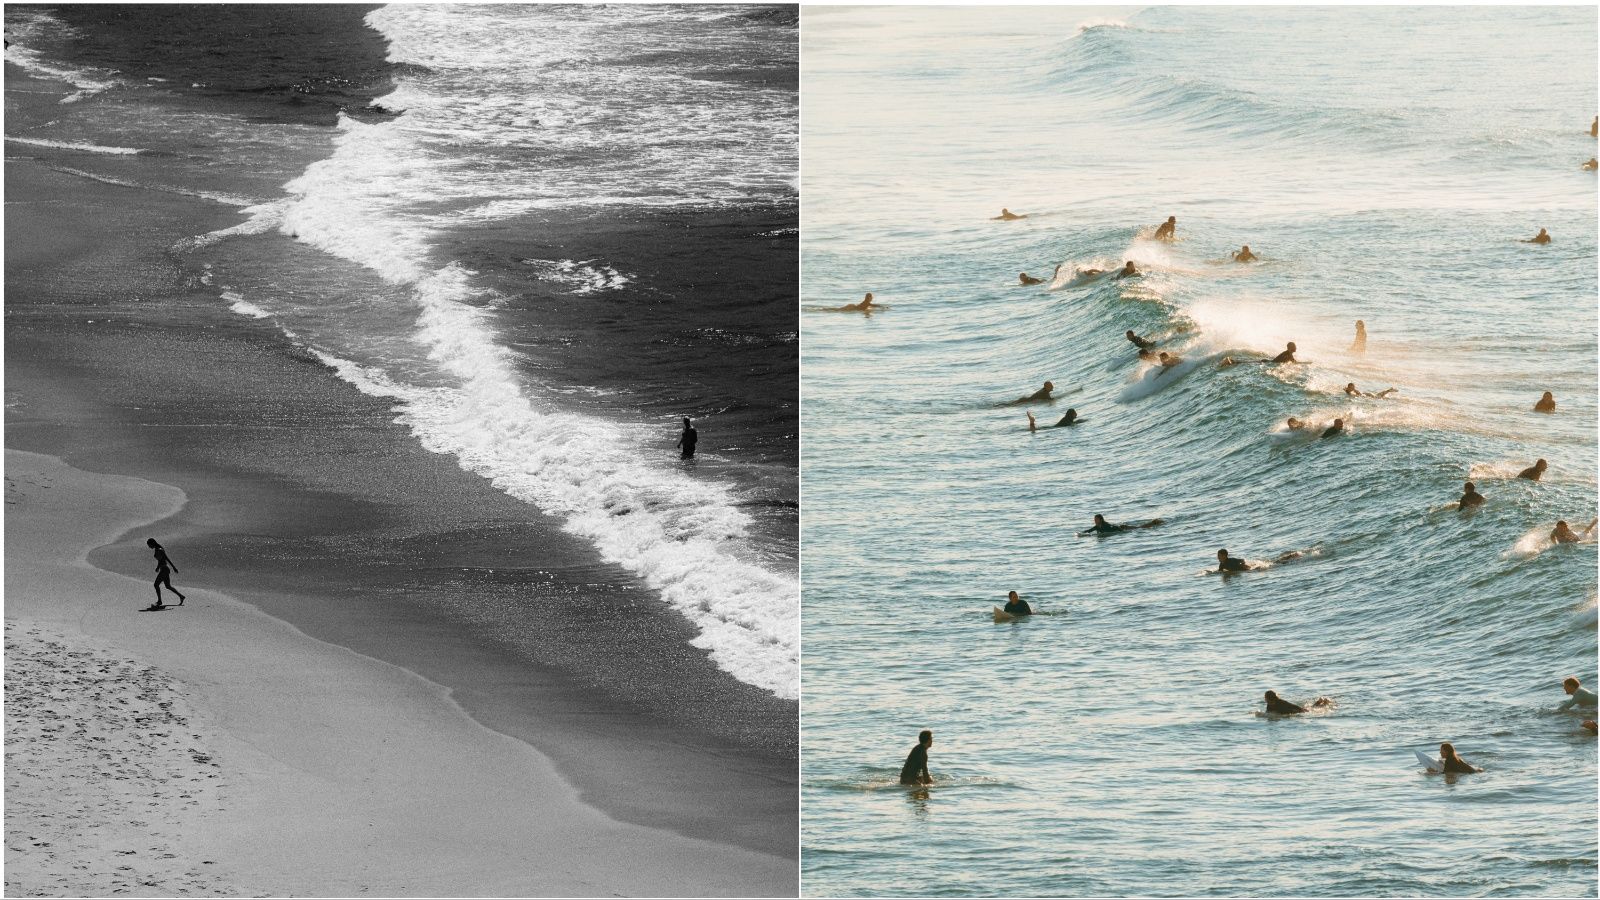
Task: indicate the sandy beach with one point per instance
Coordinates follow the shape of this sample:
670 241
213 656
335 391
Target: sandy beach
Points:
211 749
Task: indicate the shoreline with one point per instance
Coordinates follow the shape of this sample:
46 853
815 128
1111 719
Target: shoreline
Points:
303 491
331 764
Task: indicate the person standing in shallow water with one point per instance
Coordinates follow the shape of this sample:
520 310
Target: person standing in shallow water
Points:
1360 344
1546 404
688 439
164 570
915 771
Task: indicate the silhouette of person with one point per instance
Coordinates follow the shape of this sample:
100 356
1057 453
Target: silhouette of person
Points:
688 439
915 771
164 570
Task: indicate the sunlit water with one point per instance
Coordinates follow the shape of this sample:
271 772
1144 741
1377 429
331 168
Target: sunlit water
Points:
1383 163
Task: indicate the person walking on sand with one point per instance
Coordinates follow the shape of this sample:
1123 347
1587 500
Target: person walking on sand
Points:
164 570
688 439
915 771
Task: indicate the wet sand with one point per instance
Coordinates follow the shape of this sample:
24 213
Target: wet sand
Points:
210 748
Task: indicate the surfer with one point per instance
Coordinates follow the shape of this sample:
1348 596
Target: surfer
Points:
1470 496
1594 130
164 570
1167 361
1068 420
864 306
1543 237
1141 343
1101 526
1351 391
1454 764
1042 395
1295 424
1278 705
1025 278
1167 230
1547 403
1287 355
1563 533
1334 430
1226 564
1577 695
1016 606
1032 425
1128 270
1533 472
1360 343
688 439
1244 255
915 771
1006 215
1591 165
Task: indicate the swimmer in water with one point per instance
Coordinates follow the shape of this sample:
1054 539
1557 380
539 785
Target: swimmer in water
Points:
1128 270
1533 472
1546 404
1071 418
1351 391
1025 278
1360 343
1226 563
1006 215
1453 764
1287 355
1101 526
688 439
164 570
1334 430
1032 425
1168 360
1042 395
1279 706
1141 343
1543 237
1167 230
1244 255
1147 355
1577 695
864 306
1017 606
1470 497
1591 165
1295 424
915 771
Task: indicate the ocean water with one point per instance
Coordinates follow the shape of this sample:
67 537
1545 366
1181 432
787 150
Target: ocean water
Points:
556 230
1383 163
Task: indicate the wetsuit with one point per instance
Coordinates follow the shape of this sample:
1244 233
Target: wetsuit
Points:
1285 356
1068 419
1283 707
687 442
915 771
1028 279
1531 473
1470 500
1142 343
1234 564
1459 766
1333 430
1019 608
1580 697
1545 405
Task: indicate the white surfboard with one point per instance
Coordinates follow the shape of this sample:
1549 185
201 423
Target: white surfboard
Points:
1001 615
1434 766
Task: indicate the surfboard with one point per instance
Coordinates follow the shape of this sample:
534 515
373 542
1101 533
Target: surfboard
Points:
1001 615
1434 766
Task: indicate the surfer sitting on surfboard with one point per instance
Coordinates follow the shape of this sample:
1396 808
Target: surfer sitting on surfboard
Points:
1016 606
915 771
1279 706
1101 526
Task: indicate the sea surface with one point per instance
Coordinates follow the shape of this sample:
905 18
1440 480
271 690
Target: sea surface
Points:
554 232
1383 163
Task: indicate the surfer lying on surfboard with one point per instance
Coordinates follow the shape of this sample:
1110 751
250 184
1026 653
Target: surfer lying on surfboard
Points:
1101 526
1279 706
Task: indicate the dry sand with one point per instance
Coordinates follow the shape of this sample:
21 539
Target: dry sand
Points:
211 749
